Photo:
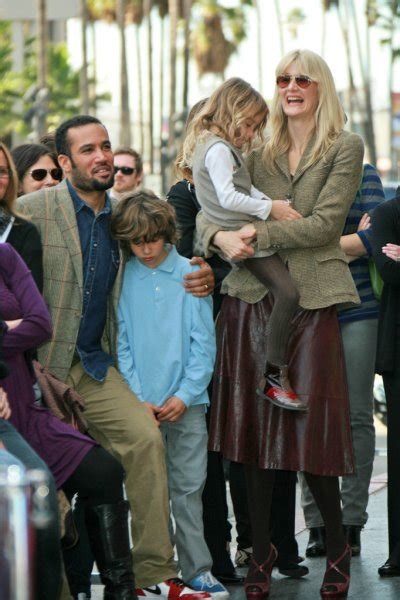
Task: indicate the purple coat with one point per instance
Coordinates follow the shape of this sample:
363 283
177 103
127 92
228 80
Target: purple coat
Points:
59 445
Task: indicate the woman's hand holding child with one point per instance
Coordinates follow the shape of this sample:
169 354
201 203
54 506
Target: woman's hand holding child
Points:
282 211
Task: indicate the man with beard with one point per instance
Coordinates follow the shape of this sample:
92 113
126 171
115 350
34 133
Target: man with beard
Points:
82 268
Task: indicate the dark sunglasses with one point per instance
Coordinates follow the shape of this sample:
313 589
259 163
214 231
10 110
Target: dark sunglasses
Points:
124 170
302 81
40 174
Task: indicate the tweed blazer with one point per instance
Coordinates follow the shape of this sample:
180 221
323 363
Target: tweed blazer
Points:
52 211
322 193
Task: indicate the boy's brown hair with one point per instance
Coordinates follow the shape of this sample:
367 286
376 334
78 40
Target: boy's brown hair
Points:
143 217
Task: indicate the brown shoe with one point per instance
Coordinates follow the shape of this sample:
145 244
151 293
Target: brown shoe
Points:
275 387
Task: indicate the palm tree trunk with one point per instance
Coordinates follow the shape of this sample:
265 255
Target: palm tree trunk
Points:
83 78
353 103
259 45
280 28
147 11
173 26
366 79
42 67
187 7
393 152
140 88
93 90
161 84
124 115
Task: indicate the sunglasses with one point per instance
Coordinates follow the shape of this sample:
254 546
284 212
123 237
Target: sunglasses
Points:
124 170
302 81
40 174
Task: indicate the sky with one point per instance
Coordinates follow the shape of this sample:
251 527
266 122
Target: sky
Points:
244 62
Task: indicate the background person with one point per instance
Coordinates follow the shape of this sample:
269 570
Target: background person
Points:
312 158
359 328
77 463
37 167
128 172
386 251
14 229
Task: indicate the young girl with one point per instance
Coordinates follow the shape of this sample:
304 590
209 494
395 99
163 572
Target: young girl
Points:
228 122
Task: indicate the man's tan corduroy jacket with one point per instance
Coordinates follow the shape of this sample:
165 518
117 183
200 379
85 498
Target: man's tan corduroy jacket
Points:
322 193
52 211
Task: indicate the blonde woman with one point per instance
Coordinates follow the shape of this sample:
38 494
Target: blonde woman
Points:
230 119
312 158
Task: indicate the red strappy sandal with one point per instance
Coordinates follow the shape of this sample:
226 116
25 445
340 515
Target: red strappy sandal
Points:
258 590
335 589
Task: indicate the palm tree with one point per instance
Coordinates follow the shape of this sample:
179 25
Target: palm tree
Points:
173 29
124 116
42 68
187 7
84 80
148 4
280 27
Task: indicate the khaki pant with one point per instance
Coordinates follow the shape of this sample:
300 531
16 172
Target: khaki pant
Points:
121 424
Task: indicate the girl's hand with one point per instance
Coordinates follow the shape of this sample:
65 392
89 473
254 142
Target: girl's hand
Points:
235 244
172 410
13 324
392 251
282 211
200 283
5 410
365 222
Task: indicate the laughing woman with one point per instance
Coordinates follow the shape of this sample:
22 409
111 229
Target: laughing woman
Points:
312 160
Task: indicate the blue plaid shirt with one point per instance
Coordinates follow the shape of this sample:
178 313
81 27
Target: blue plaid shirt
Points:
100 262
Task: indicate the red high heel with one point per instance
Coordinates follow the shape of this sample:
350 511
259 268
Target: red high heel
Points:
336 589
258 590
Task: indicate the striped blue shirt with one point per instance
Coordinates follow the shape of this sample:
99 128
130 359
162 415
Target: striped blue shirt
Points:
369 195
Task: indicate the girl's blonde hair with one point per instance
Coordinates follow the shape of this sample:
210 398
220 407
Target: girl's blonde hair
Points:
10 195
329 115
224 112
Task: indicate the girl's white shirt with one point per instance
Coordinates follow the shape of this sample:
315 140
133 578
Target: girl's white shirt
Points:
220 165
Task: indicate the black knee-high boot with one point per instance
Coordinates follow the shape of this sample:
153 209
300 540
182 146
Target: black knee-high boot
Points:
107 525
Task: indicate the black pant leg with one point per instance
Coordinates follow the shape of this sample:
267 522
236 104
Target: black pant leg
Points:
392 392
283 513
238 488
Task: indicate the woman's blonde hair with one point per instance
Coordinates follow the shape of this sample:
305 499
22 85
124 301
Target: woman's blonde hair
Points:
10 195
143 217
329 114
223 113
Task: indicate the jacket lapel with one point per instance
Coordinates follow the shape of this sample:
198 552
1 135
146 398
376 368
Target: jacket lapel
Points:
283 164
66 220
302 166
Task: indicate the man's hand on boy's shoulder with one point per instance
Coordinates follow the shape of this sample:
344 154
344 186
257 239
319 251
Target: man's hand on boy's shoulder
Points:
201 282
171 410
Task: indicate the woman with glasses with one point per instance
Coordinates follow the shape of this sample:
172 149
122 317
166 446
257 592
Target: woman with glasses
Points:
15 230
37 167
311 159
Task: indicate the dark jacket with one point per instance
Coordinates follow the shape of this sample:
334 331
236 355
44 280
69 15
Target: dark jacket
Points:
182 197
25 239
386 229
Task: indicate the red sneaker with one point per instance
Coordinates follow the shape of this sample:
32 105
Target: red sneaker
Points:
171 589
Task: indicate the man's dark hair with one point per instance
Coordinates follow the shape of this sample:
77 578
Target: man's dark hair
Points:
62 143
134 154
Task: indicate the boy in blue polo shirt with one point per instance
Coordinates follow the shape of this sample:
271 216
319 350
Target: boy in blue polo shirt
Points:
166 353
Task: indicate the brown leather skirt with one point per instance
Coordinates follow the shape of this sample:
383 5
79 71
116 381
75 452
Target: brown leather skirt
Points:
250 430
